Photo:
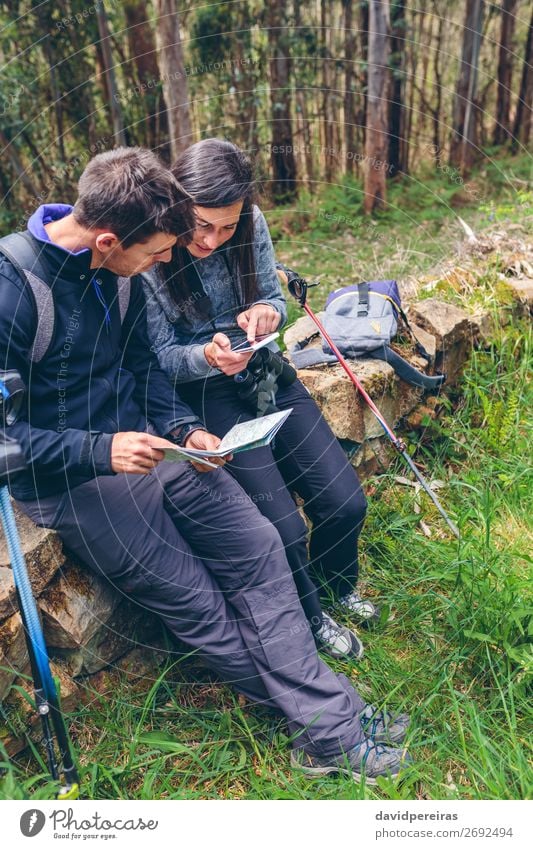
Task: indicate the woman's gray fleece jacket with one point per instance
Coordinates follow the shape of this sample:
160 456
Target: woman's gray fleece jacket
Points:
180 344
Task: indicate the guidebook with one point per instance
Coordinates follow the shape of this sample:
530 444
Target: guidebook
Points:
241 437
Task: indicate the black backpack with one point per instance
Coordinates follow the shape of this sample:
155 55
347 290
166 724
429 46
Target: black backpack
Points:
23 252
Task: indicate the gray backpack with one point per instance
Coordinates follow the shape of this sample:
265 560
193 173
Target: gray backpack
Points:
23 252
361 320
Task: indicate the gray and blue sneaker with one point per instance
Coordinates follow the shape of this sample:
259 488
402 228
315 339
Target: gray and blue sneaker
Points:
384 727
338 641
362 608
369 760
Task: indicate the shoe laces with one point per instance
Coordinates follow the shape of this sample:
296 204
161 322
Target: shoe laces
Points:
374 722
353 599
371 747
329 630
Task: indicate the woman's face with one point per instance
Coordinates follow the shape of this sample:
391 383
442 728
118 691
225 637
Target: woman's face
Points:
213 228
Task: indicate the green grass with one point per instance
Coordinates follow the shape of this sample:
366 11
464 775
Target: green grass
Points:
456 654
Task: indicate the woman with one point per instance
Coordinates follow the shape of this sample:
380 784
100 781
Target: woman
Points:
222 291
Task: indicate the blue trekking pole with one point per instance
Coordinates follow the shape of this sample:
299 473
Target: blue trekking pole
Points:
46 698
298 288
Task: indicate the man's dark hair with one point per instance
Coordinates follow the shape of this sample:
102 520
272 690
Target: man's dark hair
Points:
130 192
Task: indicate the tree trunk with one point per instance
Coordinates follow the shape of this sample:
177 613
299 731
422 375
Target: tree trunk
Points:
16 163
377 126
364 15
397 140
502 129
244 78
435 112
522 121
82 76
463 143
336 87
349 95
172 71
43 13
327 123
109 73
304 124
415 28
284 186
142 49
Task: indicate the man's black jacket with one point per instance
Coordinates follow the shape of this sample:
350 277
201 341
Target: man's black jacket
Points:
98 377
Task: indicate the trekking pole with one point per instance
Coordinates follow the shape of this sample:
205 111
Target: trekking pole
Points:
46 697
298 288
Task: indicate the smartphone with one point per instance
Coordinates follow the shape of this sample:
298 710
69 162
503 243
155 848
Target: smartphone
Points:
244 347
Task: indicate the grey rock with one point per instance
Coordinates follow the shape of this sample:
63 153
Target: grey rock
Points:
74 606
426 339
345 411
8 602
114 636
43 553
13 652
454 330
446 322
522 289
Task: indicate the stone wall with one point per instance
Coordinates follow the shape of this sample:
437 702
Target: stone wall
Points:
88 625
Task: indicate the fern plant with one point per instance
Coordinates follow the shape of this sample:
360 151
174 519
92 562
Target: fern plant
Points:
501 420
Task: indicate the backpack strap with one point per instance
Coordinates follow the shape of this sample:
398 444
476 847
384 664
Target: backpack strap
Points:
303 358
364 302
23 254
124 295
46 316
311 357
405 370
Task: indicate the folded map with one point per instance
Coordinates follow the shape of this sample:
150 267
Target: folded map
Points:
241 437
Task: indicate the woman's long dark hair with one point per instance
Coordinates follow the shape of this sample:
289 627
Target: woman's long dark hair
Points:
216 173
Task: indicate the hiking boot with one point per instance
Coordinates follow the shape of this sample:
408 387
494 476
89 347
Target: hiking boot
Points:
362 608
384 727
338 641
369 760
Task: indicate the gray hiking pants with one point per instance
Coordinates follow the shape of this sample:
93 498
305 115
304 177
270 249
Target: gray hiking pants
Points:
194 548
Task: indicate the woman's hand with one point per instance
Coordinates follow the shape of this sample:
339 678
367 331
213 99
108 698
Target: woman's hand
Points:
259 320
219 355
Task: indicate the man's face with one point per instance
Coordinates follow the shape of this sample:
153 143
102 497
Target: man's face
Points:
138 257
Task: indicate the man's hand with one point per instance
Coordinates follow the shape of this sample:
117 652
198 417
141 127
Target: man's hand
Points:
201 439
136 453
259 320
219 355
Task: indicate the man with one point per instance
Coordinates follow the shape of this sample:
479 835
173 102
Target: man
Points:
190 546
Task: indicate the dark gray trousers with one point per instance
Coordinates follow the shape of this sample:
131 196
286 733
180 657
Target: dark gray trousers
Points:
194 548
